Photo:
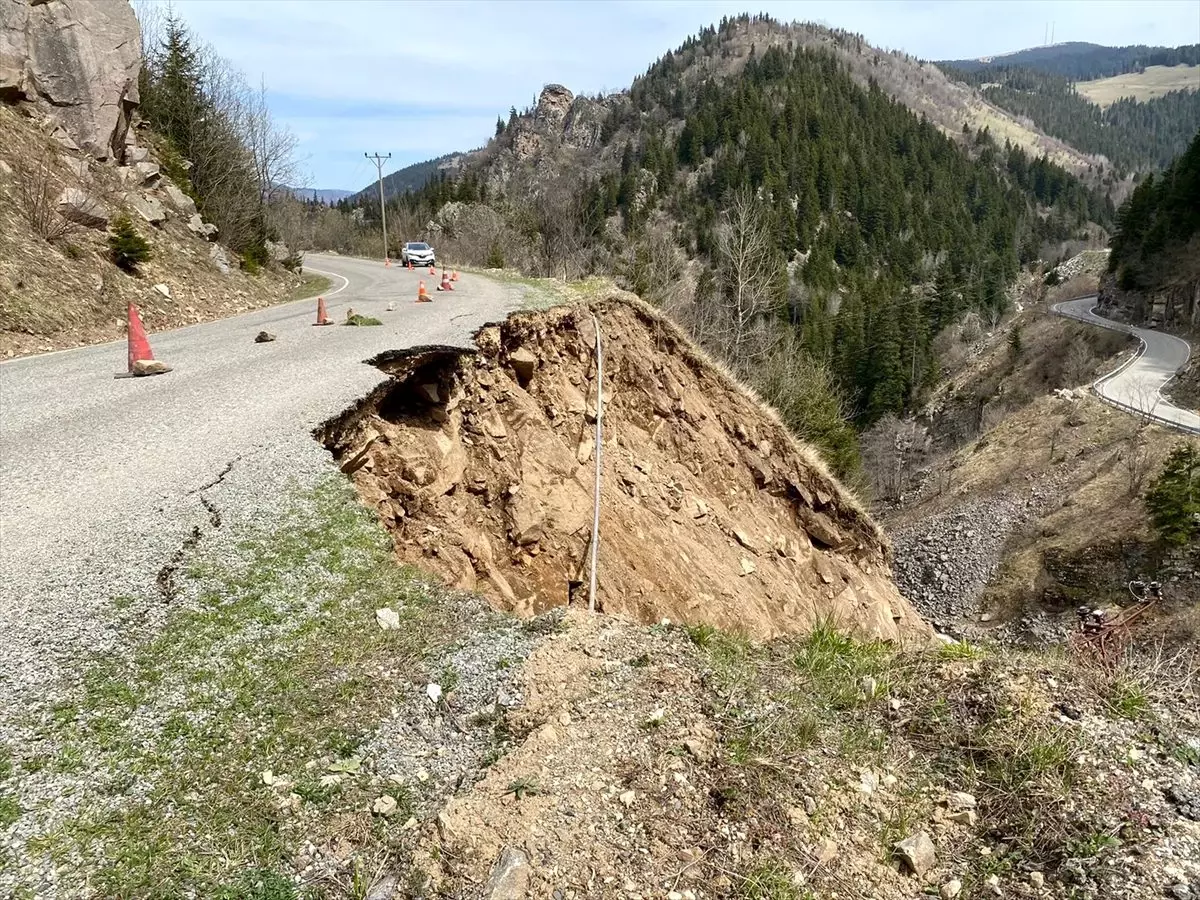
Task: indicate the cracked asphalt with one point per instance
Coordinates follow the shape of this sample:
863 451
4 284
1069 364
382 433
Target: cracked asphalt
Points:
106 483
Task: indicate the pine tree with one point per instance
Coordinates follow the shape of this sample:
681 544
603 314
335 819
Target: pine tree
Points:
1173 500
126 247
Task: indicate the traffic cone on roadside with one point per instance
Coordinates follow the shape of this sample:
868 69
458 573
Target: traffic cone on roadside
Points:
422 294
454 275
387 262
141 357
322 317
410 265
445 284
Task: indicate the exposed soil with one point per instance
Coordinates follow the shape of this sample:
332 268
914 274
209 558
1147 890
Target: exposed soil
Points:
481 465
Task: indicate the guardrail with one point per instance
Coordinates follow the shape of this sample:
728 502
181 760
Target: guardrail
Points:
1095 386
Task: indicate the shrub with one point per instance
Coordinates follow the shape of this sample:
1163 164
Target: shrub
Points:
127 248
1052 278
1173 500
294 262
495 257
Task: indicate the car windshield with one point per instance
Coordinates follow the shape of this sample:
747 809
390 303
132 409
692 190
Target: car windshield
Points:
418 246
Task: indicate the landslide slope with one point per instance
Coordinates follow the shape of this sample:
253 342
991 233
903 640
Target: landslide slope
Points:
481 464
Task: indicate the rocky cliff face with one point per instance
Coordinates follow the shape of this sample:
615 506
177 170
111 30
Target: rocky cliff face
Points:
1174 305
78 60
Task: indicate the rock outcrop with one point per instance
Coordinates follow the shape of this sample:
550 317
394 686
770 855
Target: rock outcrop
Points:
78 60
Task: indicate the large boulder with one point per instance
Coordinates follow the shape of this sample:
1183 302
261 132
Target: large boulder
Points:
78 60
149 208
79 206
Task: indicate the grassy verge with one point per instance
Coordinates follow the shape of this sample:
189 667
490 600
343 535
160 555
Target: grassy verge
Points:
543 293
829 719
311 284
226 741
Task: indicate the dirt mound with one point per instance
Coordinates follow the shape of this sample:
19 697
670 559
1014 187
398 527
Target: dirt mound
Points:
481 464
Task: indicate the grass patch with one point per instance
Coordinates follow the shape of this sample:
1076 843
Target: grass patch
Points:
9 811
770 879
311 284
279 666
360 320
1127 697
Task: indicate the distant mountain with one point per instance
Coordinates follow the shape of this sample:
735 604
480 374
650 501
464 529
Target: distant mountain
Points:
328 196
1043 86
1080 61
410 178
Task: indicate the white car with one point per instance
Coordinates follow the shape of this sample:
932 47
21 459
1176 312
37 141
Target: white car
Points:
418 253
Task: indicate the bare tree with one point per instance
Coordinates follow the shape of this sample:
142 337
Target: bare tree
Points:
1079 362
272 146
1135 459
890 448
748 278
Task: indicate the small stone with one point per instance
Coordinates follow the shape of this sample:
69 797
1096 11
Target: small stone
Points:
697 749
868 782
387 619
656 717
265 337
430 393
1181 891
385 805
869 686
963 816
917 853
950 889
826 852
433 692
961 800
510 876
986 617
747 566
1037 879
992 883
422 775
163 289
150 367
627 798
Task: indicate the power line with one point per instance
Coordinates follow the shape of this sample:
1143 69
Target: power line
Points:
379 161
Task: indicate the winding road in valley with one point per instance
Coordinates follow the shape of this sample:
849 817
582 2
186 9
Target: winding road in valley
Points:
1136 386
103 480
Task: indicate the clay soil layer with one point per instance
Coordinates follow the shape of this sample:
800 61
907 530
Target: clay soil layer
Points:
481 464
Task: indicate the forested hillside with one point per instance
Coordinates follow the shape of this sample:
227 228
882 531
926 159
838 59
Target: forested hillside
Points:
1157 239
796 222
1134 135
1079 61
410 178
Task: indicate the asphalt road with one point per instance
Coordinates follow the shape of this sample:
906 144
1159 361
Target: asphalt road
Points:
102 478
1139 384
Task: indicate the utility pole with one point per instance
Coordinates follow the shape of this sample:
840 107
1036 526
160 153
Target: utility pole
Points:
379 161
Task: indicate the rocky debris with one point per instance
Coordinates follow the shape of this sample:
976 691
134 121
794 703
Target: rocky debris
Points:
149 208
164 290
277 250
181 201
1089 262
490 487
79 61
950 889
917 853
147 173
265 337
219 258
944 562
198 226
510 876
76 205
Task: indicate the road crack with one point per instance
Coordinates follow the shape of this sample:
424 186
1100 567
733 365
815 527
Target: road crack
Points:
167 578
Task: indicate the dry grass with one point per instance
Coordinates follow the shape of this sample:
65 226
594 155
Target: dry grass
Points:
1154 82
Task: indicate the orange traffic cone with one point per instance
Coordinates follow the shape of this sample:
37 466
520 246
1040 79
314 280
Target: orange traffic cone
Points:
454 275
445 285
141 357
322 317
387 262
422 295
432 270
410 265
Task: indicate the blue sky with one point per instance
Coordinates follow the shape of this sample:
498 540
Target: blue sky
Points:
418 79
